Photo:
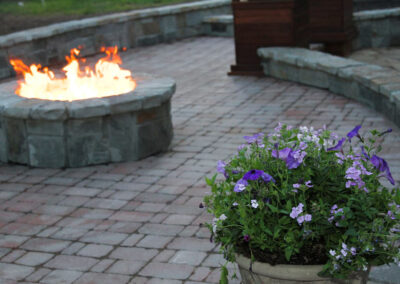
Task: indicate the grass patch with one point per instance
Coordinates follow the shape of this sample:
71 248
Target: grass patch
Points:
77 7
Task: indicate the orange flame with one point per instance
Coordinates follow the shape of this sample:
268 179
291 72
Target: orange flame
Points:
107 79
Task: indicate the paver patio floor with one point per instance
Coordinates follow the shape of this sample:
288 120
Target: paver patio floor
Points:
139 222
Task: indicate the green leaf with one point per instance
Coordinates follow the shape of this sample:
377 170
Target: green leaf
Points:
273 208
288 253
224 275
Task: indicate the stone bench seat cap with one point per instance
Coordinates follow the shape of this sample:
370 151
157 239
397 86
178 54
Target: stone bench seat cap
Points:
149 92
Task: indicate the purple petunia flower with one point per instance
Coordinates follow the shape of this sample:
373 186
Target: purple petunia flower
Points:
308 217
338 147
246 238
257 174
308 184
391 215
354 132
292 158
382 166
296 211
281 154
386 132
221 168
240 185
300 219
256 138
296 185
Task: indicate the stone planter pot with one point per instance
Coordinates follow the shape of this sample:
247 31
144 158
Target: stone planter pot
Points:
263 273
263 23
331 23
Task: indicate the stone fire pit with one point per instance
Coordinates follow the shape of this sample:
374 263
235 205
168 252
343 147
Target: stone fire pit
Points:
57 134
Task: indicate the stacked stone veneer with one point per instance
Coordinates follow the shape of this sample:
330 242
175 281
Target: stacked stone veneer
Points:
375 86
58 134
49 45
377 28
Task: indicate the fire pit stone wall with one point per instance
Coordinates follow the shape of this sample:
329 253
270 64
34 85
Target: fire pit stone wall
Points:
58 134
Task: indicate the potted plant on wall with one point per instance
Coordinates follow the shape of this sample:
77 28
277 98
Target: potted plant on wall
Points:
305 205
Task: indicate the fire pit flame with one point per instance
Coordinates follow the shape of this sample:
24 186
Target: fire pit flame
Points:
107 79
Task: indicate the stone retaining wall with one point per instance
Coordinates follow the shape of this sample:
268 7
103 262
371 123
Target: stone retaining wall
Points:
49 45
377 28
375 86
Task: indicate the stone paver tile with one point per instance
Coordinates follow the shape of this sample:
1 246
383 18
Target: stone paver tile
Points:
71 262
183 209
38 274
47 232
177 219
150 207
73 248
52 210
34 258
92 213
159 218
78 223
200 273
105 176
69 233
102 278
103 184
45 245
130 186
189 231
126 267
156 197
214 260
102 265
104 203
161 229
124 195
167 270
163 281
100 237
188 257
11 241
141 280
124 227
136 254
191 244
92 250
34 219
129 216
164 255
65 181
61 277
6 216
4 251
21 229
13 255
151 241
82 191
13 187
74 201
132 240
14 271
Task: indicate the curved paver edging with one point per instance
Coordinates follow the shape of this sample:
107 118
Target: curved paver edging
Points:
48 45
58 134
375 86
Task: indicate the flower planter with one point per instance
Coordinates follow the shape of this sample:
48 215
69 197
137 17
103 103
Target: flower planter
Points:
285 274
331 23
262 23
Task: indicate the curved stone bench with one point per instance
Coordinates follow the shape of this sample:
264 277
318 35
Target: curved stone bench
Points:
57 134
375 86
